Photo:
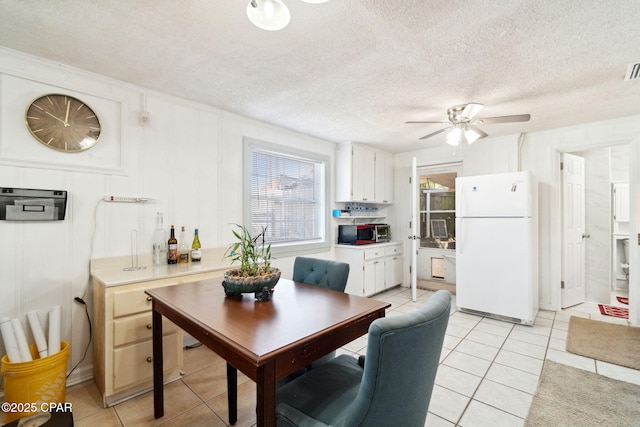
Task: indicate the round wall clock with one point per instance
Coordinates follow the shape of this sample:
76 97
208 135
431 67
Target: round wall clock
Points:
63 123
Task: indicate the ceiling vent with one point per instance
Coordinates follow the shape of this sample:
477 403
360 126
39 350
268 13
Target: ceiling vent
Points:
633 71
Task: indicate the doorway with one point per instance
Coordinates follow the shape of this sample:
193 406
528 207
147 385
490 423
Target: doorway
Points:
605 279
436 258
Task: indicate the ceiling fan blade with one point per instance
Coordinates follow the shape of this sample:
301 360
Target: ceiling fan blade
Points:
428 121
504 119
471 110
478 131
436 132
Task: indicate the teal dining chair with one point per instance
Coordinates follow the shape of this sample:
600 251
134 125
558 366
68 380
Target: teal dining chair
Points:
321 272
389 387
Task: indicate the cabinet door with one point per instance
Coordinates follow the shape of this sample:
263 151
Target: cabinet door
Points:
379 266
383 178
362 174
393 271
621 202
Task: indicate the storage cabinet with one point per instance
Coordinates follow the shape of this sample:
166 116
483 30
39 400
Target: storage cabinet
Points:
122 351
363 174
372 268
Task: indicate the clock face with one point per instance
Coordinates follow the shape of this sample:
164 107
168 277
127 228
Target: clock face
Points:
63 123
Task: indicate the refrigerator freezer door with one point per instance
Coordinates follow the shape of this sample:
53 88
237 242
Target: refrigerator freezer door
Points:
494 268
498 195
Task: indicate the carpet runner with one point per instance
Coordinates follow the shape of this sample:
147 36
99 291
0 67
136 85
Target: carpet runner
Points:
609 310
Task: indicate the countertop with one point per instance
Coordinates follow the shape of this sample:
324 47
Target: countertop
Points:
369 246
116 271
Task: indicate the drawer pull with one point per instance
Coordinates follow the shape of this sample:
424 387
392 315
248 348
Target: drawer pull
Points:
149 299
149 359
149 326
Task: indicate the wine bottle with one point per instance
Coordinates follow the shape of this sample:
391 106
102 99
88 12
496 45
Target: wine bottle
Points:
196 251
183 248
159 241
172 251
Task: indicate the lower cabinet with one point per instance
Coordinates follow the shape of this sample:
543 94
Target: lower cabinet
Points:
372 268
122 351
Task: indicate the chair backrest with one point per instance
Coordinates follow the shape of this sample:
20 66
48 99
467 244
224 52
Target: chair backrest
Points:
403 353
321 272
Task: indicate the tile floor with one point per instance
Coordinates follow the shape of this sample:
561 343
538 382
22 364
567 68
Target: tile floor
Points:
487 377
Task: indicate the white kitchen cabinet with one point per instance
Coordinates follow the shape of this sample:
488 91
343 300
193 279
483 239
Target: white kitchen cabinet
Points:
372 268
621 202
363 174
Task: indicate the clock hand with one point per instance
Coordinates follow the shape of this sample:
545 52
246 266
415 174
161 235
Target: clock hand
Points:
66 117
58 119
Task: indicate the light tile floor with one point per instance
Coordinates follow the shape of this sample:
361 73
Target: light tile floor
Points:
487 377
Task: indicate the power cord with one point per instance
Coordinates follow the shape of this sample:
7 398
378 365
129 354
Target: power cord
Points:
86 310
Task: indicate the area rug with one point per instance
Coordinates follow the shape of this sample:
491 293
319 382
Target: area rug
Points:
610 310
617 344
567 396
623 300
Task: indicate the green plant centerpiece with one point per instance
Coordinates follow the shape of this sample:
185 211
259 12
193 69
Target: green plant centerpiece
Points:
255 273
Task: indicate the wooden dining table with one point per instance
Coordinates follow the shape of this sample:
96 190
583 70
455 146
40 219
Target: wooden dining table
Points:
265 340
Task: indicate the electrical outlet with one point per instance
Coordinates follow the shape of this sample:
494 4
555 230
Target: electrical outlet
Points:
145 119
123 199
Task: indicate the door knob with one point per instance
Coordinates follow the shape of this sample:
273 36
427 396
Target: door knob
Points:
585 236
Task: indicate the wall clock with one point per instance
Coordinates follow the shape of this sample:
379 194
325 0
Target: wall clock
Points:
63 123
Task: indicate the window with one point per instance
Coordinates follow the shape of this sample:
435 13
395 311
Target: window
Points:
437 209
286 193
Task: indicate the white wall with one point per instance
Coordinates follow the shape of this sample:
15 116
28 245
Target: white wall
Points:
189 160
540 153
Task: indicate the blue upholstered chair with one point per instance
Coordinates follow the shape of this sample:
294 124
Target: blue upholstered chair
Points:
321 272
390 387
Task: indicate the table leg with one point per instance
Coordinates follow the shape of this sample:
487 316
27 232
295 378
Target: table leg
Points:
158 380
232 393
266 395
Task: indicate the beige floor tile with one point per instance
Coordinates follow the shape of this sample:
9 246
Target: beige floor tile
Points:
198 358
246 405
138 411
490 339
476 349
211 381
200 416
103 418
85 398
520 361
456 380
480 415
467 363
447 404
525 348
505 398
512 377
435 421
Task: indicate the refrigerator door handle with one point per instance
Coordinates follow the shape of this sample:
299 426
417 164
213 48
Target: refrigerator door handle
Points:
461 238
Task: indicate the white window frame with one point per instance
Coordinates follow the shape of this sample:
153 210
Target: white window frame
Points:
298 247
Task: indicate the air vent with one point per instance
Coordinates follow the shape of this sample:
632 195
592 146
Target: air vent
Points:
633 71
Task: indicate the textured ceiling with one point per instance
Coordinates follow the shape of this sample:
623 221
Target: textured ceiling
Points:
355 70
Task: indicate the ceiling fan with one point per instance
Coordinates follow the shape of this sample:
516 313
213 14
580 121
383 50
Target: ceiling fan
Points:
463 124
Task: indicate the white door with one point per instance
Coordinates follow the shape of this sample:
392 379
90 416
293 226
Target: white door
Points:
573 231
413 236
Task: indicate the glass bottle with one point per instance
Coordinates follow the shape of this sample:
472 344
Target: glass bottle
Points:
183 247
172 250
159 241
196 249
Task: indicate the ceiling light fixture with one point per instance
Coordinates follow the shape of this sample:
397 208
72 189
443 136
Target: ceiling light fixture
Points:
461 134
271 15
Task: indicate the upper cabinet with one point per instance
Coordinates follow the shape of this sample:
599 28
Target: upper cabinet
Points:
363 174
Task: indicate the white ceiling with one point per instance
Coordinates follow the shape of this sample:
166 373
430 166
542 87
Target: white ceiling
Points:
355 70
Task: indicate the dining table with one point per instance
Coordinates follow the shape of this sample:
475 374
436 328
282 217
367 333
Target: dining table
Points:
265 340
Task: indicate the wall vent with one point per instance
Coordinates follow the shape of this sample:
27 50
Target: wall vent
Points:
633 71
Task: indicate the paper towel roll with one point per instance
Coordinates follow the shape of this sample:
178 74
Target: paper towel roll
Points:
54 330
9 339
38 334
23 346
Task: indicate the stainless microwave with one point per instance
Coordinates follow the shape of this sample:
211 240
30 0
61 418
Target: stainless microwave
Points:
363 234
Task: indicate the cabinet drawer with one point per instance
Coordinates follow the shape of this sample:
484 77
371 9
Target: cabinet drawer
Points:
393 250
134 363
130 302
136 328
373 253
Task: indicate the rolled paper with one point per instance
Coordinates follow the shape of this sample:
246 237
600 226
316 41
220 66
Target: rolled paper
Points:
54 329
9 340
38 334
23 346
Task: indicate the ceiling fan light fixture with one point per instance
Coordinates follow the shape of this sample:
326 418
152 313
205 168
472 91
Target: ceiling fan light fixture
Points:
471 136
270 15
454 136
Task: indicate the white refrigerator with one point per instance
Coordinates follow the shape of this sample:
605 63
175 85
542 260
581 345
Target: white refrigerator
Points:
496 246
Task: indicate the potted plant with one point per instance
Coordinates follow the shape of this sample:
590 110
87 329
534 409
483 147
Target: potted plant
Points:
255 273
